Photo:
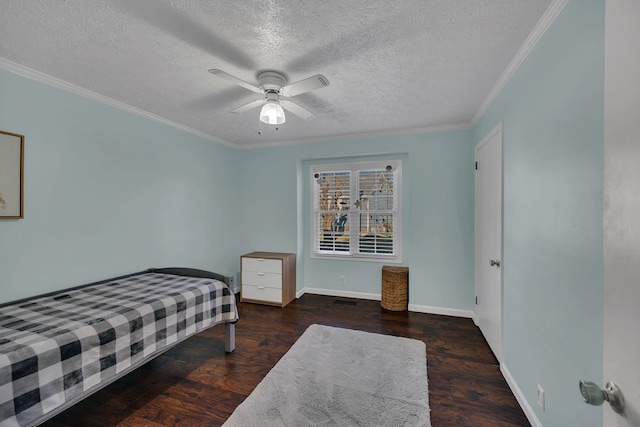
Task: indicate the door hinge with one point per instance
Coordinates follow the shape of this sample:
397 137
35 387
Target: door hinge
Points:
476 300
476 165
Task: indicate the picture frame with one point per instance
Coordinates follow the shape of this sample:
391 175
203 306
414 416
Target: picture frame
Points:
11 175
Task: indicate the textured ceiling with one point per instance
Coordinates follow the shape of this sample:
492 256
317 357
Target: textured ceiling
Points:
392 65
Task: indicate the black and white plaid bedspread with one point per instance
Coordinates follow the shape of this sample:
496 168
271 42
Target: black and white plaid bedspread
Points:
55 349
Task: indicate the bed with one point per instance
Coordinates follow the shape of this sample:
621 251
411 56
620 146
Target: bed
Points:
58 348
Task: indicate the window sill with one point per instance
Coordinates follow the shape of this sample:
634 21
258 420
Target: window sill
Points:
360 258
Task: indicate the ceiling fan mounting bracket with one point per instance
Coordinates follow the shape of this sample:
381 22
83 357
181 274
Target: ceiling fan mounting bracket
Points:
271 80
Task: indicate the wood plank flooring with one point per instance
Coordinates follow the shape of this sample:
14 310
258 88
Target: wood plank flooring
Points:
198 384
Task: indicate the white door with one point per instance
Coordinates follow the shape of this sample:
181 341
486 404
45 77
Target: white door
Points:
488 225
622 208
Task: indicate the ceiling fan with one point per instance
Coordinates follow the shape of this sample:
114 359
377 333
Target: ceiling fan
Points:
273 85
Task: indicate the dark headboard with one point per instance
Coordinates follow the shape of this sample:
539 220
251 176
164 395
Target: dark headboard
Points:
193 272
178 271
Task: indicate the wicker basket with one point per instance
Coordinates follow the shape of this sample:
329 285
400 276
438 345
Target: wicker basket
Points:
395 288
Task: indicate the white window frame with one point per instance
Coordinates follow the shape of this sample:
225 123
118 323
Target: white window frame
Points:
353 168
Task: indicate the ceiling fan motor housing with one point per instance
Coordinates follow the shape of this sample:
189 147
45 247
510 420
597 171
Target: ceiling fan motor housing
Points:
272 95
271 80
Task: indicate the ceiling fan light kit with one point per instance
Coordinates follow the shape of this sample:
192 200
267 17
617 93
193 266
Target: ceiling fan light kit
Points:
273 85
272 113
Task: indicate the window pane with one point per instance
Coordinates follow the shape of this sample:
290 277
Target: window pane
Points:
376 233
356 209
333 205
334 238
376 190
334 194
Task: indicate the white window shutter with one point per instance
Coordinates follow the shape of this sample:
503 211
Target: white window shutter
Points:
356 210
332 198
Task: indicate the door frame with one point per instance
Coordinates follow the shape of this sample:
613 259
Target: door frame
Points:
621 207
497 130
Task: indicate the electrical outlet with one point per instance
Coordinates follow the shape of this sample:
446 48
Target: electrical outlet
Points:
540 397
343 280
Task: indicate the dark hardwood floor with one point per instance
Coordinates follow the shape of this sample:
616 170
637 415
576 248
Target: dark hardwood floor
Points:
197 384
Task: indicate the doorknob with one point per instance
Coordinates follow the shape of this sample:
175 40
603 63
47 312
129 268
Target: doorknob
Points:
594 395
494 262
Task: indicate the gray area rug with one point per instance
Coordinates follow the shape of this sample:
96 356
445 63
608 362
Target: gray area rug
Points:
341 377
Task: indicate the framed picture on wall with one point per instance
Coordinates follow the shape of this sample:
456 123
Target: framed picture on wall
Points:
11 175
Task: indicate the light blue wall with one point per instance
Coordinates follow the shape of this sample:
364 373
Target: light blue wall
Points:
109 193
437 221
553 116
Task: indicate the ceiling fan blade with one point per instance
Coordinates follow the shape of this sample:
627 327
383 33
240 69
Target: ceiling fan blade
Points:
228 77
249 106
294 108
306 85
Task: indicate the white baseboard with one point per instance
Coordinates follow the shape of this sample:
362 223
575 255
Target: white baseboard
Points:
526 408
333 293
376 297
441 310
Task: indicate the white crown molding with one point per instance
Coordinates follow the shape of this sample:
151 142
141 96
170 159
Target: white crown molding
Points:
543 25
38 76
545 22
347 137
526 408
77 90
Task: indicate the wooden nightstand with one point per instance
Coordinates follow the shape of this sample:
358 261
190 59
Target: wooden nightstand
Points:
268 278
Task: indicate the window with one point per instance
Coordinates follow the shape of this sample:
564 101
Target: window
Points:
356 210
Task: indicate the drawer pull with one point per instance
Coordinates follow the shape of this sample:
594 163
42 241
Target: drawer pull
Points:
259 259
260 287
260 274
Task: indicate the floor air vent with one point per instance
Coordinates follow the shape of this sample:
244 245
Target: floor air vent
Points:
343 302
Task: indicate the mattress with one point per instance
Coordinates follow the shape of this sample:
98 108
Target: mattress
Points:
55 350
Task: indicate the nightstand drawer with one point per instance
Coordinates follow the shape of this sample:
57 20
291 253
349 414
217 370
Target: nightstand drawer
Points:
268 278
261 293
259 278
262 265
